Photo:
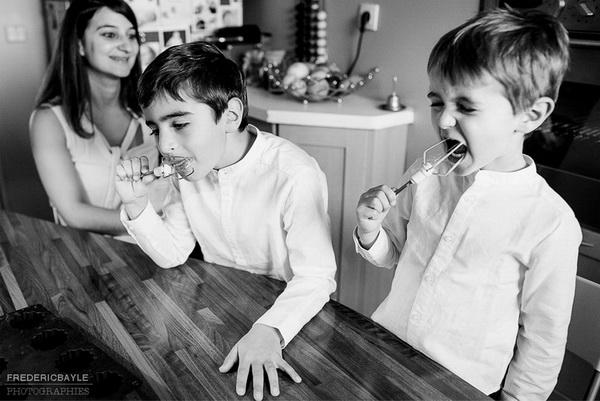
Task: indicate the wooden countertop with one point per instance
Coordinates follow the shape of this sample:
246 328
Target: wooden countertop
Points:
354 112
172 328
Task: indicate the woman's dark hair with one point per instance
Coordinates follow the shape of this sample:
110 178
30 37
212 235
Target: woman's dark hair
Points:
198 70
66 80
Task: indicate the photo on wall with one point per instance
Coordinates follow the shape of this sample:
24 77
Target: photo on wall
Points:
176 36
147 13
150 47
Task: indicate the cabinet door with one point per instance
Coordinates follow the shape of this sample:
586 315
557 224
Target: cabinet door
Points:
353 161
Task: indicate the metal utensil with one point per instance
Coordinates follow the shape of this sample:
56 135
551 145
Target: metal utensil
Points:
430 166
182 166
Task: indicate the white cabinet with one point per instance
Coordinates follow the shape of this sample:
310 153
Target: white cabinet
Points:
357 146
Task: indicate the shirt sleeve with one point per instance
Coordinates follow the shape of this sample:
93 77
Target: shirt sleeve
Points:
383 252
546 303
168 240
312 261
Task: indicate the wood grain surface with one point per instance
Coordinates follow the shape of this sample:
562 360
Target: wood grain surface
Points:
173 327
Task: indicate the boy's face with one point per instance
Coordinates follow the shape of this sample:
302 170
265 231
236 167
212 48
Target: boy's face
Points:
479 116
188 130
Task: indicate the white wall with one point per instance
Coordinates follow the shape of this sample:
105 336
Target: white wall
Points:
22 65
408 30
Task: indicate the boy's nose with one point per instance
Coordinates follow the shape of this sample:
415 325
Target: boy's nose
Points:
446 120
166 144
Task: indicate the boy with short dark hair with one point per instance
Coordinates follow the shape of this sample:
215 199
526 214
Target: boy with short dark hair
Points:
252 200
485 257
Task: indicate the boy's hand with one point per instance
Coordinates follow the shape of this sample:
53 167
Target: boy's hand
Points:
372 208
131 186
260 350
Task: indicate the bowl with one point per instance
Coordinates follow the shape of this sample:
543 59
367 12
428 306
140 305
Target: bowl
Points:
320 85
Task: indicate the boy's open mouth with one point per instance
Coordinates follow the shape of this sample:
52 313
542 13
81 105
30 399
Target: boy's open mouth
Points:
181 165
459 151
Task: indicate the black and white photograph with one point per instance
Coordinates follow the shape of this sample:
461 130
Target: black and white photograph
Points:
327 200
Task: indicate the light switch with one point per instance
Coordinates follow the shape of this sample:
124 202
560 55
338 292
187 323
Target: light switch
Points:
15 33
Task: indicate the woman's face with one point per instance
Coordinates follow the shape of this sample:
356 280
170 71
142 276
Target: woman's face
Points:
110 44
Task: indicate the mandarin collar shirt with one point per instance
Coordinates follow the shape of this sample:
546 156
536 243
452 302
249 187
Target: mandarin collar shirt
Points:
483 263
265 214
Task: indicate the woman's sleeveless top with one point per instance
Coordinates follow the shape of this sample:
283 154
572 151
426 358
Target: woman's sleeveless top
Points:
96 160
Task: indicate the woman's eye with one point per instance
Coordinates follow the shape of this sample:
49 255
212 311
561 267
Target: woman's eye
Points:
434 105
110 35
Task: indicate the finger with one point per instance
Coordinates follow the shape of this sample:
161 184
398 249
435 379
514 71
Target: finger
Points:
390 194
257 381
273 378
229 360
136 168
145 164
128 169
121 173
383 199
242 378
368 213
287 368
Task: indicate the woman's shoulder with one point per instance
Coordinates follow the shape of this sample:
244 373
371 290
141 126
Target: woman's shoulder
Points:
47 121
49 108
47 113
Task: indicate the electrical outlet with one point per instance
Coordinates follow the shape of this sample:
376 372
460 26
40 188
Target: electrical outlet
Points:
373 10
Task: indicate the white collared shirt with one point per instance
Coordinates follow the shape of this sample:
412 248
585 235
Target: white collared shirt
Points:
266 214
482 262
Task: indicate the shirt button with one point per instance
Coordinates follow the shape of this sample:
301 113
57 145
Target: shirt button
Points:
428 279
448 238
415 317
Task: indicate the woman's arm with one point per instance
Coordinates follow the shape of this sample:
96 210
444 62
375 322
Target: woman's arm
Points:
61 180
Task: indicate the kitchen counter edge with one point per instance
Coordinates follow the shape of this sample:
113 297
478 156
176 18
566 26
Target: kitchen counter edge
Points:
354 112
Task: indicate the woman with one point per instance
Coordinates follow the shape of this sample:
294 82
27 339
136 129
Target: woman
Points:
86 117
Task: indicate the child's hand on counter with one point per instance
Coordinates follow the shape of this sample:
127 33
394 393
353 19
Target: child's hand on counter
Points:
259 350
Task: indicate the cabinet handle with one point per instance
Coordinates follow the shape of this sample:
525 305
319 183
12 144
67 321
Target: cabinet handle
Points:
587 244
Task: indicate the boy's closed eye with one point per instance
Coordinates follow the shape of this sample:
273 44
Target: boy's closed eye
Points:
465 108
179 125
461 107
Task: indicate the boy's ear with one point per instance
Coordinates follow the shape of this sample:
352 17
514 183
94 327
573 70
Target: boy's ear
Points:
235 110
536 114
